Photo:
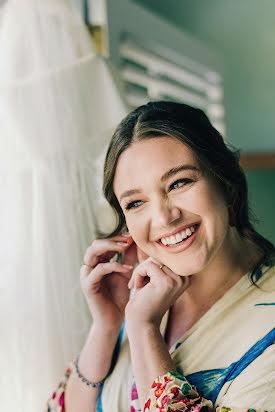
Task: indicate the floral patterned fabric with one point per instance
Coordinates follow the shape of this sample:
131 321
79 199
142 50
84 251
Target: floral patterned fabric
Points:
169 393
223 409
172 392
56 403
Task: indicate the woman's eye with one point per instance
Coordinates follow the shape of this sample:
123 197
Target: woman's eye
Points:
133 205
179 183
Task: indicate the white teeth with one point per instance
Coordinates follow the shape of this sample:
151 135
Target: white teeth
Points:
172 240
178 237
183 234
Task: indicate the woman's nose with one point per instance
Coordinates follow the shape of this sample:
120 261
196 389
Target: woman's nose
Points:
165 213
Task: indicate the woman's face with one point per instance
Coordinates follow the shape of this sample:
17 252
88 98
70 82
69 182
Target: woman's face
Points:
174 210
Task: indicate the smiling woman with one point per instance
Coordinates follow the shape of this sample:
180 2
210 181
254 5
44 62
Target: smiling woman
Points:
186 135
200 321
171 199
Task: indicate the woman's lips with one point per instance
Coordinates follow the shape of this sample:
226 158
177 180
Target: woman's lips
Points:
178 230
182 245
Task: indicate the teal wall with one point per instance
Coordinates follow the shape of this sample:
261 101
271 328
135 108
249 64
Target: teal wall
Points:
243 33
262 200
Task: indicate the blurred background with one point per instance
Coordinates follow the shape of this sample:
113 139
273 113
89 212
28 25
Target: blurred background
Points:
70 70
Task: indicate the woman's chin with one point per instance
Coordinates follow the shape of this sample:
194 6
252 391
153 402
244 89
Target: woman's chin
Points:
189 269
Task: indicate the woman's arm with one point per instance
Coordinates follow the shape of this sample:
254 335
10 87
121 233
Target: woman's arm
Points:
157 288
104 284
149 354
158 383
72 394
94 363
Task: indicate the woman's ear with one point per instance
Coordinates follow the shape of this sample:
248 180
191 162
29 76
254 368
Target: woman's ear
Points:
141 255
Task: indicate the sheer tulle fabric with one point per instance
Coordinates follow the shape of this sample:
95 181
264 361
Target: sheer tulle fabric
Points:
59 103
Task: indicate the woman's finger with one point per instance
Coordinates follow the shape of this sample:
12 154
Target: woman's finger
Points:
152 271
145 272
99 247
103 269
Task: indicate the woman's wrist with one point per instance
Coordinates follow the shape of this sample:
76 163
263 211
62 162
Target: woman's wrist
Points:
140 327
95 358
106 331
135 322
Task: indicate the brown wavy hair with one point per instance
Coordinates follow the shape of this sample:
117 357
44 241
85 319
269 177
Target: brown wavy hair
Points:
192 127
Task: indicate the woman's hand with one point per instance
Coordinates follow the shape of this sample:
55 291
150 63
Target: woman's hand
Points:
156 290
105 283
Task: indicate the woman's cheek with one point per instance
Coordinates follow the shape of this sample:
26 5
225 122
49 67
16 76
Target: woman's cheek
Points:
138 228
132 226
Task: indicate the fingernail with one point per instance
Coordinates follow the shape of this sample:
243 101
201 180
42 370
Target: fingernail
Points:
128 266
126 234
122 244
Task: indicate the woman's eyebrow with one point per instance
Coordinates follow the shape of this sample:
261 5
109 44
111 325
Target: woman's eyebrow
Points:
129 193
163 178
177 169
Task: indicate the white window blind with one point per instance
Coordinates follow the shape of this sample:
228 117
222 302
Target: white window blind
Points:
148 76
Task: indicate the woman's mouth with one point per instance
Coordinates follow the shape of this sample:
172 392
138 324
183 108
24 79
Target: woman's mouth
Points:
181 240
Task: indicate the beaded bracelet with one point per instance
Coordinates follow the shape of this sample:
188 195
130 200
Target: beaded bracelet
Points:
88 383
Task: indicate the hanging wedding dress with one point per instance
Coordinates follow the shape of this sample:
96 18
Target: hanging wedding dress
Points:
59 103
